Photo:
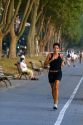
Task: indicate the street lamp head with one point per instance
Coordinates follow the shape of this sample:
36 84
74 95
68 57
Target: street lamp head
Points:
25 47
18 47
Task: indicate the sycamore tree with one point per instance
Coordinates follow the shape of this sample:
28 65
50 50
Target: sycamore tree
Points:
8 22
6 19
3 21
32 32
70 19
53 19
72 24
37 24
16 35
65 17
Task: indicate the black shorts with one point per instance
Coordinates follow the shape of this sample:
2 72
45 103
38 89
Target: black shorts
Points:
52 76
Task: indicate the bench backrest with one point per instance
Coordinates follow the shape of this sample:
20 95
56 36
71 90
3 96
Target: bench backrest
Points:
18 67
33 66
1 71
42 63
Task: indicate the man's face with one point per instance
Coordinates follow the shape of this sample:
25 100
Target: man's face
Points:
56 48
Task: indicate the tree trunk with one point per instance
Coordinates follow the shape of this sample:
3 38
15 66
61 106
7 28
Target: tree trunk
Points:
1 37
59 35
30 38
46 38
41 47
12 50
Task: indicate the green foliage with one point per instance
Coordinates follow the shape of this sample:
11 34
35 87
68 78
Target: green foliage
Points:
66 14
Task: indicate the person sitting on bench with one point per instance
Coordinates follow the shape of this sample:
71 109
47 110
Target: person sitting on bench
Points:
24 68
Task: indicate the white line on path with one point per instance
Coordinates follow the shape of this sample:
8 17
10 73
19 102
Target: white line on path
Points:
62 112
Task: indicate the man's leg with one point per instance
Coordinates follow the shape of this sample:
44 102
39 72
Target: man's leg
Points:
55 92
30 72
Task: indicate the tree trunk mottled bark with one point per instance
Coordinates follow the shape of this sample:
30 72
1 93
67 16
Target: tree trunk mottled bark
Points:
59 35
12 50
1 38
46 38
30 38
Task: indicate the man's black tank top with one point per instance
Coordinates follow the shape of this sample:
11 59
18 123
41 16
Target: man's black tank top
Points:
56 63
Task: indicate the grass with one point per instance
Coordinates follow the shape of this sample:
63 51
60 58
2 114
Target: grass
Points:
9 64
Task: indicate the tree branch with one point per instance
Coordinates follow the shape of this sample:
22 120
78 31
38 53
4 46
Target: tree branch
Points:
25 19
13 18
40 12
4 13
40 26
6 10
26 9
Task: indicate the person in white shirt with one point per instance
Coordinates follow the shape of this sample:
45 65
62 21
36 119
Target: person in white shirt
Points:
24 68
73 58
68 58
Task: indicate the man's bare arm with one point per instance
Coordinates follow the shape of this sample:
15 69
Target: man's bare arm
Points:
47 61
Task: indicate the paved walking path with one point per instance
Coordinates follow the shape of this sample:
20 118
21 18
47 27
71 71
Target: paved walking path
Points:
24 100
30 102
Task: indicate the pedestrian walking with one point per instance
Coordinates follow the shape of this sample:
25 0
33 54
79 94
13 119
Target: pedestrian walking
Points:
68 58
55 62
80 56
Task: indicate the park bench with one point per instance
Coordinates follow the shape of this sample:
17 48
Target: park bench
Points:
20 73
4 78
35 68
42 63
